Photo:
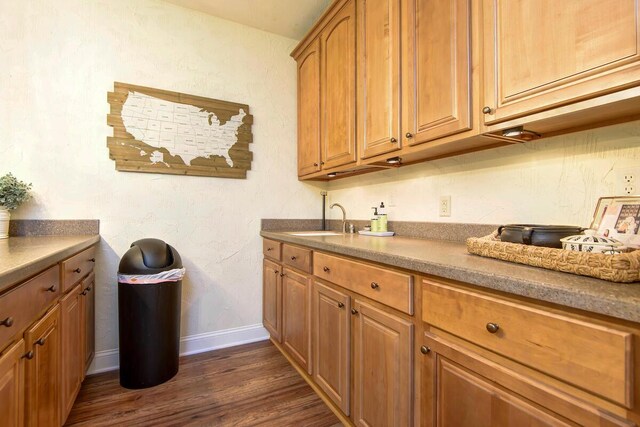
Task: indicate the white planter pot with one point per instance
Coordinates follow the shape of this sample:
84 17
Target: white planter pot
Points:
4 223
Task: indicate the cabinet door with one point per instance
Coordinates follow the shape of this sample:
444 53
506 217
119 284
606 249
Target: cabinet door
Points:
436 69
296 326
544 53
272 298
88 322
12 385
338 90
378 91
331 343
43 371
383 368
71 316
309 109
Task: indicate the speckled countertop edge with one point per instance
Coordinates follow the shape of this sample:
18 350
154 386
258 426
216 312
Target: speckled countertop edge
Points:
451 260
24 257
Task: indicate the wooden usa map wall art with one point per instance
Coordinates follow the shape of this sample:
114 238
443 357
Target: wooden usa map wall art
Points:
159 131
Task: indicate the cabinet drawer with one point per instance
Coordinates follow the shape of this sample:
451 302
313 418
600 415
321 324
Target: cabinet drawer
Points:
296 257
75 268
553 343
272 249
389 287
24 303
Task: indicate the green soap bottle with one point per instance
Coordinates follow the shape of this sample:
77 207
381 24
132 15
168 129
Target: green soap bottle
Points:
374 220
382 218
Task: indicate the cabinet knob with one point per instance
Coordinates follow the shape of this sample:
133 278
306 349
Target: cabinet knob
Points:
77 270
88 289
325 269
92 260
425 350
374 285
28 355
293 258
8 322
315 164
340 305
393 140
409 135
83 292
282 274
492 327
276 271
51 288
321 163
269 249
487 110
354 311
41 341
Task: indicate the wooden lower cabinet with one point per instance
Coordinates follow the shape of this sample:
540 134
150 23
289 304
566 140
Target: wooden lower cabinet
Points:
73 361
42 384
272 298
461 388
12 385
382 367
331 343
89 320
296 322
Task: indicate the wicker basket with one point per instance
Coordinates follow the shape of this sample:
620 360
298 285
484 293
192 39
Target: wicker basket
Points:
623 268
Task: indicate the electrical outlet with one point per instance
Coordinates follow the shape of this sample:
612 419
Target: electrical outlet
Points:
627 181
445 206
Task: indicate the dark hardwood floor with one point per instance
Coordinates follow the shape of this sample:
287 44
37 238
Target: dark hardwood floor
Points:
247 385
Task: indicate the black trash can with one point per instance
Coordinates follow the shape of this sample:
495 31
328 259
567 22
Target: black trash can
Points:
149 315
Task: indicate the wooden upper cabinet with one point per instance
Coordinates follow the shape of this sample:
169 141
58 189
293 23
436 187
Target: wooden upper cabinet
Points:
540 54
436 69
337 82
378 93
309 109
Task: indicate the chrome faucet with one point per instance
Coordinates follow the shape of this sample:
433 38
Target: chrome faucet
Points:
345 224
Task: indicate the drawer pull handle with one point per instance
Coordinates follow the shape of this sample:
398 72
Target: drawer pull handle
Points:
354 311
293 258
268 249
492 327
374 285
41 341
8 322
326 269
51 288
340 305
92 260
425 350
28 355
77 270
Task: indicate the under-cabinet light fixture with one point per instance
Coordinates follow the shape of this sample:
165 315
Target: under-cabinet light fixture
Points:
521 133
394 160
332 175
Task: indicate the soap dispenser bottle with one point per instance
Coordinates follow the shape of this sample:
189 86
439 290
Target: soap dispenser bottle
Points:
382 218
374 220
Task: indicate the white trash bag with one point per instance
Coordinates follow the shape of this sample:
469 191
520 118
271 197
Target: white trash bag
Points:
140 279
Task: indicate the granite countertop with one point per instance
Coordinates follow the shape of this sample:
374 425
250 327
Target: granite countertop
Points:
452 261
23 257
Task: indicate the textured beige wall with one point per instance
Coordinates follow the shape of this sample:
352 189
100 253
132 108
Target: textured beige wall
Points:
550 181
59 60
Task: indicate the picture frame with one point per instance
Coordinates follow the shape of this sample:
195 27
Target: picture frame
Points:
619 218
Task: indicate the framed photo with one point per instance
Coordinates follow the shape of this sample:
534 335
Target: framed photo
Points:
619 218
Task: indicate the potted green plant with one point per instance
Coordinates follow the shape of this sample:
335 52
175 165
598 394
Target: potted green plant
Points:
13 193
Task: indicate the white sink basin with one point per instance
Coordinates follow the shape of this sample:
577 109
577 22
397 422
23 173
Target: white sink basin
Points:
314 233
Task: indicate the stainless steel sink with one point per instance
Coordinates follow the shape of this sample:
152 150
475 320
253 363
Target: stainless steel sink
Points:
314 233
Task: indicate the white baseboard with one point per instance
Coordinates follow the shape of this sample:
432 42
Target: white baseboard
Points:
109 360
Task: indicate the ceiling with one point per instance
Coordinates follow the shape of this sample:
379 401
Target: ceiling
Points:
289 18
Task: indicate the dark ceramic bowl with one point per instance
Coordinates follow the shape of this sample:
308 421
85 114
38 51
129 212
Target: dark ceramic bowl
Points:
537 235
